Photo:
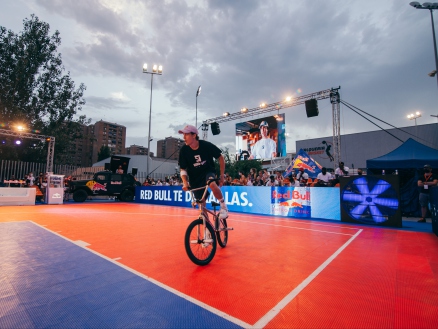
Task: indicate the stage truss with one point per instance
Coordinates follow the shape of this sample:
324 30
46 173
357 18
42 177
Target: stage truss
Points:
332 93
50 139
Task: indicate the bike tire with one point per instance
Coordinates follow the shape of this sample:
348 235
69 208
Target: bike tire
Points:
222 236
198 252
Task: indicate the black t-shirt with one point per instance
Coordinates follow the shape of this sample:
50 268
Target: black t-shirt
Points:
424 179
198 163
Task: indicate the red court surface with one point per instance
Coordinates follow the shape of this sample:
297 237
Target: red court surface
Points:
274 272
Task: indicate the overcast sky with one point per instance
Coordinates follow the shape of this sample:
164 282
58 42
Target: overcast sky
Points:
242 53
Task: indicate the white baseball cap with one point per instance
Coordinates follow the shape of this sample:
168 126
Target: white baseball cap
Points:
263 124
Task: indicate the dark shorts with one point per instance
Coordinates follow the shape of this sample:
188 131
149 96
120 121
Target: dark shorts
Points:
424 199
201 182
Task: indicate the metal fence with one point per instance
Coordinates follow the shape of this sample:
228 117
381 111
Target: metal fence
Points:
20 168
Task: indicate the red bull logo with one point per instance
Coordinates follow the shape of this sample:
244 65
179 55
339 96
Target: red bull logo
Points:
290 202
295 194
306 167
95 186
305 159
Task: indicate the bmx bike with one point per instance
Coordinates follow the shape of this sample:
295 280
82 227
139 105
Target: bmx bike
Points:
203 234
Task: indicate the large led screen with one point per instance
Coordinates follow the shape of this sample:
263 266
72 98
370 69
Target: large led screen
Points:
262 138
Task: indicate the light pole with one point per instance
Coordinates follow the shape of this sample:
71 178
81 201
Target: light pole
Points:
414 116
198 92
431 7
156 69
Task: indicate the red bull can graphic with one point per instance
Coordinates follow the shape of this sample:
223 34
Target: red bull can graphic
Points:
95 186
290 201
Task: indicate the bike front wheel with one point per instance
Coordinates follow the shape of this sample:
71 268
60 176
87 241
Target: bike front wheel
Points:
200 249
222 234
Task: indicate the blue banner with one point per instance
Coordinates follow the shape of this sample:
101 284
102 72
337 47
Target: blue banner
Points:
298 202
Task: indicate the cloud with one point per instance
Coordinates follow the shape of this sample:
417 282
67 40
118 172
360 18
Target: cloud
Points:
247 52
115 101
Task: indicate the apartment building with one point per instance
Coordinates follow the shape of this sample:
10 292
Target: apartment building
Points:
138 150
108 134
168 148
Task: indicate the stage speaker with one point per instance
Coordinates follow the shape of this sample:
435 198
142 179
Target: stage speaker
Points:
134 171
107 166
312 108
215 128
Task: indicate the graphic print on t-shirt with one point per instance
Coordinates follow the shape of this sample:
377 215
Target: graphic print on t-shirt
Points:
199 161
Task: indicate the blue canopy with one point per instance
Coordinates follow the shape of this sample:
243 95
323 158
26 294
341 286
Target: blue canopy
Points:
411 154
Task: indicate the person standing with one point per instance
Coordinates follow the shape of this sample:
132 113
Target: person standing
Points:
425 182
197 166
265 148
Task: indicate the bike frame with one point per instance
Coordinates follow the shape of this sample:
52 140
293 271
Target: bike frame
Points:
204 211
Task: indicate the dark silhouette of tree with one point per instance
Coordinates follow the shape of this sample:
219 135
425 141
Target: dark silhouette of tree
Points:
103 153
35 91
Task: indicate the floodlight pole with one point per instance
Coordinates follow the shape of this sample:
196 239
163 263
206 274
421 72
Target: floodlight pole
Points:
430 7
149 130
155 70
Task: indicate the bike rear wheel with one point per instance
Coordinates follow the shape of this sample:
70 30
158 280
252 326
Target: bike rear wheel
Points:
200 249
222 236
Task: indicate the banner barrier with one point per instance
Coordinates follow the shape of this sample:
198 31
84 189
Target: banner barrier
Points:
298 202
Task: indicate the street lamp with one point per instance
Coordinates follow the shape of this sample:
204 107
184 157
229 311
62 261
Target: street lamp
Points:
156 69
198 92
414 116
431 7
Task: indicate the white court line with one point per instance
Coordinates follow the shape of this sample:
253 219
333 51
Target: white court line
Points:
161 285
292 227
286 300
80 243
232 216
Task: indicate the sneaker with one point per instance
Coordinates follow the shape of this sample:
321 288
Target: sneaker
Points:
223 213
421 220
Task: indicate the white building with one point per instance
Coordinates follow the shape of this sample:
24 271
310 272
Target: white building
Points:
356 149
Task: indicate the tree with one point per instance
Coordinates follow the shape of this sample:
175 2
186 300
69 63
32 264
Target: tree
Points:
103 153
35 92
234 167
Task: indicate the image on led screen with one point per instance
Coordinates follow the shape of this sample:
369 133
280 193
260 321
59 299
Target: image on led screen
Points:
262 138
369 200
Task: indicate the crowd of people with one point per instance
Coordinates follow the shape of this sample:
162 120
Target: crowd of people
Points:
264 178
28 180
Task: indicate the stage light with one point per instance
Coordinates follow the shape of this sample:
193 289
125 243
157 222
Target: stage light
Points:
263 105
18 142
288 98
243 110
226 114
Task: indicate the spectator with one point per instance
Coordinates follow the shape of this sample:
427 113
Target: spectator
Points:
425 182
119 170
272 181
243 179
341 170
302 177
324 178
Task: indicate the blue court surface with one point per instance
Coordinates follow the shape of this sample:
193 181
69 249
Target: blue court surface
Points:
47 281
